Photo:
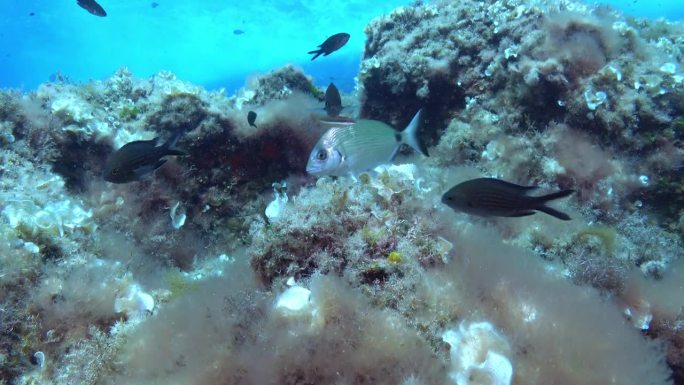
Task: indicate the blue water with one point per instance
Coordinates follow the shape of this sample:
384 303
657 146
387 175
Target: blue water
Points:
195 39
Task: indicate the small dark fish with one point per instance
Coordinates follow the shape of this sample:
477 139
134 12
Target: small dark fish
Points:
154 4
32 14
491 197
238 32
139 158
251 118
59 77
92 7
331 44
333 101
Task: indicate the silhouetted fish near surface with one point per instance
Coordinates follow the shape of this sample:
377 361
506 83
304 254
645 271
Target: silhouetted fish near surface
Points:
154 4
360 147
92 7
136 159
333 101
331 44
491 197
59 77
251 118
238 32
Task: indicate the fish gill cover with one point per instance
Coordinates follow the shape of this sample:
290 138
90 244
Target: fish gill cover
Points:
221 260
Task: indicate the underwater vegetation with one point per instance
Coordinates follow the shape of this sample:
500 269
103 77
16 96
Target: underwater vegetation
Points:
220 259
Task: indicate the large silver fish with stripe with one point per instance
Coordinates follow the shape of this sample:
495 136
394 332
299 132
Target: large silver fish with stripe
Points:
360 147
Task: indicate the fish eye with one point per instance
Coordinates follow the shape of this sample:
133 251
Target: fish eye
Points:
322 155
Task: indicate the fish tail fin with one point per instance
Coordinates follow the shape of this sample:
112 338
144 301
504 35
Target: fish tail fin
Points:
170 146
317 52
410 135
555 195
551 211
554 213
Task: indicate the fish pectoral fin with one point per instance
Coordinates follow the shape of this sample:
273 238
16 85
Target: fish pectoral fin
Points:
520 189
146 169
394 153
177 151
159 163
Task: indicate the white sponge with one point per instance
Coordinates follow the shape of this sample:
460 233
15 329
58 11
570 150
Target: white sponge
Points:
478 355
135 303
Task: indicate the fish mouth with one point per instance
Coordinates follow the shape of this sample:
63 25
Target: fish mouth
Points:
313 170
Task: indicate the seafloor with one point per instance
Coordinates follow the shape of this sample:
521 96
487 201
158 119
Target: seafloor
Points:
182 278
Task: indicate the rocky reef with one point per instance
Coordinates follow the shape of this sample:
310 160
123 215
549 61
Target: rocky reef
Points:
231 265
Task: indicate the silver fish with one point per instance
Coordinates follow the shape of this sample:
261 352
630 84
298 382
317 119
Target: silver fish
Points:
491 197
360 147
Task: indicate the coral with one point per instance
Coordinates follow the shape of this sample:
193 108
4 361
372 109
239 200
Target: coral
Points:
20 267
41 209
178 112
135 303
604 234
477 355
546 319
85 360
524 69
601 272
290 354
307 238
72 109
582 43
66 306
585 164
278 84
394 257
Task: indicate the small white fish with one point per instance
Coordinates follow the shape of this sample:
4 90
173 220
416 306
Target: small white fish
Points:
360 147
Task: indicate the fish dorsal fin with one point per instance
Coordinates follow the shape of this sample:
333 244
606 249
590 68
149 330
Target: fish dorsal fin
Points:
169 148
518 189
